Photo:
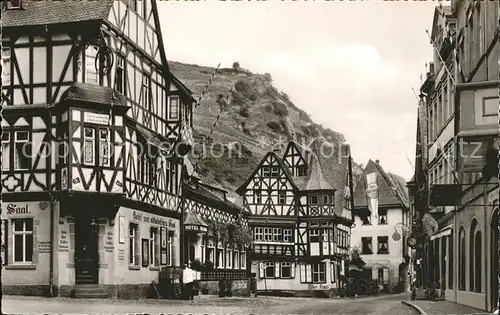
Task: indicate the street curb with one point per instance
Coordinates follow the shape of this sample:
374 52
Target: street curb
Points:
415 307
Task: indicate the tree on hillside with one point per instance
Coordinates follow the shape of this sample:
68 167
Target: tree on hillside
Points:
236 65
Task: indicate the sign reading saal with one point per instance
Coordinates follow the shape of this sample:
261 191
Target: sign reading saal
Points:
21 208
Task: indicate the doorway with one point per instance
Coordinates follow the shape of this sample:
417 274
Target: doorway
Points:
86 250
494 260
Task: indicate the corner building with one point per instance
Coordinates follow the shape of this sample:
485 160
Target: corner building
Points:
91 194
300 205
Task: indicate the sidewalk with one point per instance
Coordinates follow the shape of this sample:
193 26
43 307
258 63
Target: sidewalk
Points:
441 307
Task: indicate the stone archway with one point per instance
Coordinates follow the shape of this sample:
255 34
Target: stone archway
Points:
494 260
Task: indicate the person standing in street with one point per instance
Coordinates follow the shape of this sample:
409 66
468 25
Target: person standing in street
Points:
187 281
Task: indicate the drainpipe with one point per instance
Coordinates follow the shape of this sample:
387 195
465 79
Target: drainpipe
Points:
52 250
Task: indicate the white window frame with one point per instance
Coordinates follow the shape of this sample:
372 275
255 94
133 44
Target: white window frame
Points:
270 264
229 258
285 264
324 234
25 234
104 143
266 171
257 197
236 258
120 68
243 260
277 235
153 243
177 106
6 150
316 270
6 65
312 233
268 234
211 254
258 234
219 252
90 139
132 247
11 7
22 142
287 236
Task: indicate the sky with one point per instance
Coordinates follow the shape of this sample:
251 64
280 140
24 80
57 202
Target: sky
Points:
351 65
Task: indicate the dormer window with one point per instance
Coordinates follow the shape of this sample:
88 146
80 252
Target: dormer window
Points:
313 199
13 4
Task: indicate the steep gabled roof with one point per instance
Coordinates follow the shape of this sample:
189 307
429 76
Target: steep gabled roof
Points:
391 188
36 12
240 190
316 179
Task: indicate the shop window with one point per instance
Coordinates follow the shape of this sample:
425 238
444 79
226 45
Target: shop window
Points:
22 150
88 146
383 245
314 236
22 230
5 150
173 112
153 247
133 245
366 246
287 236
270 271
286 270
171 251
319 273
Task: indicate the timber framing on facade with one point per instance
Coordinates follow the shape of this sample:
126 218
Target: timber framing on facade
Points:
300 209
91 113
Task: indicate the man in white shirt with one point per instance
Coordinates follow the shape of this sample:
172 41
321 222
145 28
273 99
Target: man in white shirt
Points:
187 280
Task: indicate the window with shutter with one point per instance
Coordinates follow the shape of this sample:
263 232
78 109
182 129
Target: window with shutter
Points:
302 269
261 271
277 270
5 242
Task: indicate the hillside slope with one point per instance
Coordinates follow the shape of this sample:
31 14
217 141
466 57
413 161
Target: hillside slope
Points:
256 116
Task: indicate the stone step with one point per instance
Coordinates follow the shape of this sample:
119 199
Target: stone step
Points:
89 291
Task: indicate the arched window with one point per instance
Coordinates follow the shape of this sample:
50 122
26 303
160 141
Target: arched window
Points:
475 258
461 261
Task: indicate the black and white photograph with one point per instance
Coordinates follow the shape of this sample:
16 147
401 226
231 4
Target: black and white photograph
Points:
250 157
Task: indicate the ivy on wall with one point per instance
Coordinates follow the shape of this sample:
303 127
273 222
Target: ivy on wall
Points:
236 235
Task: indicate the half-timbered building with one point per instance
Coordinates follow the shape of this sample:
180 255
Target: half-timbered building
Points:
92 114
217 237
300 204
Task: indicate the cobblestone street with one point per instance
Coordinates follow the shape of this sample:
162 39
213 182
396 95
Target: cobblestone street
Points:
208 305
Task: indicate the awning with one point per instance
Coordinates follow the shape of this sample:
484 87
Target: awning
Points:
194 223
444 232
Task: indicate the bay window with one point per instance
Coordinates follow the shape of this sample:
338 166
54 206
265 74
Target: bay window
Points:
88 146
